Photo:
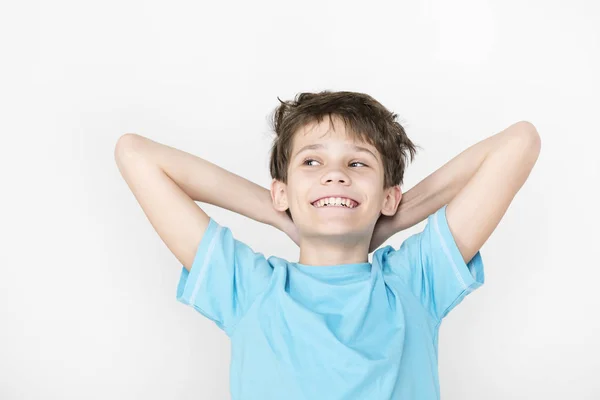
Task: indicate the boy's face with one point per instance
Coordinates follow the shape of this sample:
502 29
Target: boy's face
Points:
327 163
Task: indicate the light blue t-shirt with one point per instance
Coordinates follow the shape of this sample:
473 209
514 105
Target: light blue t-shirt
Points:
350 331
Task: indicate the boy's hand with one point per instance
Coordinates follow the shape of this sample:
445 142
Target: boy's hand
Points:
285 224
384 229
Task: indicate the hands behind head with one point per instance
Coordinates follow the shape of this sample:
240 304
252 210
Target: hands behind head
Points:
285 224
384 229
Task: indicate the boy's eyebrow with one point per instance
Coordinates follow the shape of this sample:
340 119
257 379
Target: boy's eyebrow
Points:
317 146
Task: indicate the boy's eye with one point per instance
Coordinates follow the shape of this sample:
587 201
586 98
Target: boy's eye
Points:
308 160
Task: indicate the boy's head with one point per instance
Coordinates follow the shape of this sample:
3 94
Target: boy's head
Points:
356 150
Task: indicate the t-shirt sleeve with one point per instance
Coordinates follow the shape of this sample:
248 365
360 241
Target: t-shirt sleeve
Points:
432 266
225 278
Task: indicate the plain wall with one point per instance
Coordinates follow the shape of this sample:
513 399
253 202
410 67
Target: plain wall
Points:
88 304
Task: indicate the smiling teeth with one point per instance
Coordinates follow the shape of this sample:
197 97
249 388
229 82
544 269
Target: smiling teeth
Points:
335 201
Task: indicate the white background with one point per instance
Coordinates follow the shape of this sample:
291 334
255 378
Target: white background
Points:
87 288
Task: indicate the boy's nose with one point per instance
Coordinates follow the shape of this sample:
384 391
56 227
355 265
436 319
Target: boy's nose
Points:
335 176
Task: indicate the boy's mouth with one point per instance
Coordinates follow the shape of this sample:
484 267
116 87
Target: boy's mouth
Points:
337 202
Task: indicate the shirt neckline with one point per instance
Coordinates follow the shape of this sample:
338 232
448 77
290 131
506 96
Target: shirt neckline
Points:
339 269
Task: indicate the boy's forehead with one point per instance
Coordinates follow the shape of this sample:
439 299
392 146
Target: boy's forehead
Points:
315 136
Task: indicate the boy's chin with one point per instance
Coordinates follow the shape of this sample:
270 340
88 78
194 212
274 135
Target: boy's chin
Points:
334 218
334 214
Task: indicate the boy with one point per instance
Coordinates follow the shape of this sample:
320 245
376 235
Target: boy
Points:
332 325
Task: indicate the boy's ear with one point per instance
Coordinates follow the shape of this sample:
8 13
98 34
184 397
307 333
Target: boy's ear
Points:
391 200
279 195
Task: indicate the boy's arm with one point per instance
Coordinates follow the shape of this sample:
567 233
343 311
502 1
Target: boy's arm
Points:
166 181
440 187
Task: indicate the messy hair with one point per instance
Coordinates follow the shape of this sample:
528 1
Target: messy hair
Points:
364 118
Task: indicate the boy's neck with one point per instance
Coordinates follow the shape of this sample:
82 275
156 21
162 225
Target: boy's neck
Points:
319 252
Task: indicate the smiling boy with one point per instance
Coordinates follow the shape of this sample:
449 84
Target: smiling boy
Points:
332 325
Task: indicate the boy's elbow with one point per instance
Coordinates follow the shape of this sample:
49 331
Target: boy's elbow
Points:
125 145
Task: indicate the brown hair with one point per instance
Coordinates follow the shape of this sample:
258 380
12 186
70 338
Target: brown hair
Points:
364 118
